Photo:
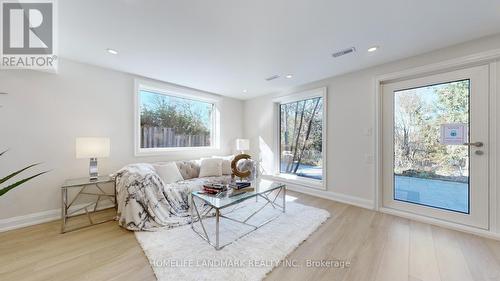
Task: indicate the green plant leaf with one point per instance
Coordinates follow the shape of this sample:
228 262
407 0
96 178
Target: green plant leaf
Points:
12 186
2 180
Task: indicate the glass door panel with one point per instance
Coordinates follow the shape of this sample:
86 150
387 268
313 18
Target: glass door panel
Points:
426 170
435 146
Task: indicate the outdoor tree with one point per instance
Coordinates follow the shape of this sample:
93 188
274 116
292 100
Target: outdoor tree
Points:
419 114
177 115
170 121
301 134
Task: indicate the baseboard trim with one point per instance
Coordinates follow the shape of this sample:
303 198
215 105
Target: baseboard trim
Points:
441 223
334 196
39 217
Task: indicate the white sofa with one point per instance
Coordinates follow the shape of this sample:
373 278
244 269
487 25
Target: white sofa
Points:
190 171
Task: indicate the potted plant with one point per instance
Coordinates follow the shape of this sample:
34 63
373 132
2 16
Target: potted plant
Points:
19 182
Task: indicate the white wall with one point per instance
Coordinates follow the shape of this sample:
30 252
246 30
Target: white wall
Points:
43 113
351 99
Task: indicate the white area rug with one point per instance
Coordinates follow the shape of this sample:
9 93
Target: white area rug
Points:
180 254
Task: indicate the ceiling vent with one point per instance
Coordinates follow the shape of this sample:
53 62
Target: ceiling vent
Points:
344 52
272 77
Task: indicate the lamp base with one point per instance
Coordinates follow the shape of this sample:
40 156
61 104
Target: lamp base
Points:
93 172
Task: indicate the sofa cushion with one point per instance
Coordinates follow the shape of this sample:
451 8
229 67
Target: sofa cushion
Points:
226 163
188 169
210 167
168 172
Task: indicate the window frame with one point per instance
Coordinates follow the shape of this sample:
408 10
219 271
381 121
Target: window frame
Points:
290 178
179 92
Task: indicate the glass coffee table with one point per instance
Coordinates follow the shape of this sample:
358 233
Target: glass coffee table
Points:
263 189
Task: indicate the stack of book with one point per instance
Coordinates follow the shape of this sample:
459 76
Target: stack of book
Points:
240 185
217 189
213 188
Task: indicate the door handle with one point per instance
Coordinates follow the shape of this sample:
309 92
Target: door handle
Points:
476 144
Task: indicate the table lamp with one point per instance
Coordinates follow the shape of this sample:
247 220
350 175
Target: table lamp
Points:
92 148
242 145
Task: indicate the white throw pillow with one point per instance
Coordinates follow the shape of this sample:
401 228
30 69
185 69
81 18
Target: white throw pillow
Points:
168 172
226 163
211 167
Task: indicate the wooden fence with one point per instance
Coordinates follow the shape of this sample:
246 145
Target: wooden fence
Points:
166 137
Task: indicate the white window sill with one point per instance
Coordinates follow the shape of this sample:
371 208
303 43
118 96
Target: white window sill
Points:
296 180
173 150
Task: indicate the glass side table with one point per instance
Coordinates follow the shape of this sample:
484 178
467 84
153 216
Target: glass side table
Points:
82 185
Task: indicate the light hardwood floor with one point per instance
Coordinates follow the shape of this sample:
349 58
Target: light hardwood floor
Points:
378 246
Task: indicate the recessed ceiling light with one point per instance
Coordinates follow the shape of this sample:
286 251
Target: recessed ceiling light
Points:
112 51
373 49
344 52
289 76
272 77
244 91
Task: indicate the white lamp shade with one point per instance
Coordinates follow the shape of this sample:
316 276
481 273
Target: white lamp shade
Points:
242 144
92 147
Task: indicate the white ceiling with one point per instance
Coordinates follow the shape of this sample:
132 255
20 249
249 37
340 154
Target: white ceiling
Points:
225 46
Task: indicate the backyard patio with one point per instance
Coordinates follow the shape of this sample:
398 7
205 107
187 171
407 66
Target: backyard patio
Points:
436 193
